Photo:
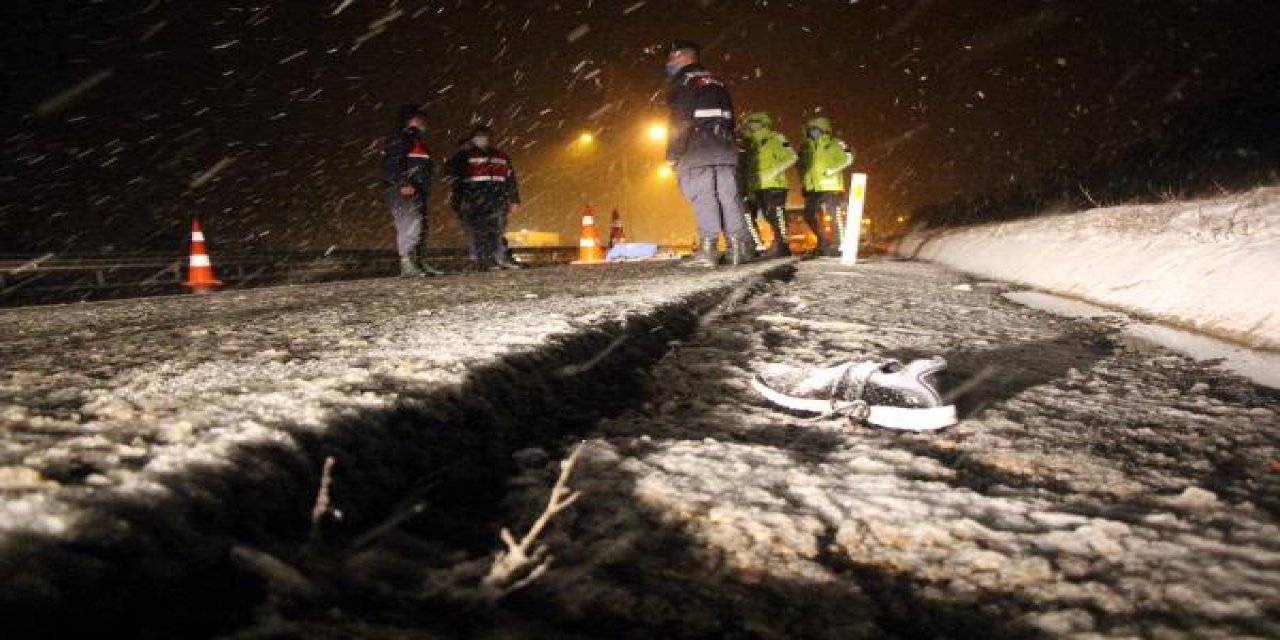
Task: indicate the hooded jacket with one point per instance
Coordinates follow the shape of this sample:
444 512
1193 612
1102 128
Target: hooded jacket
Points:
768 154
701 131
824 160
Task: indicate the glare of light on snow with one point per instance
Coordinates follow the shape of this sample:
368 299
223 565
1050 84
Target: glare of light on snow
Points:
377 28
211 172
574 35
153 30
289 58
32 265
69 95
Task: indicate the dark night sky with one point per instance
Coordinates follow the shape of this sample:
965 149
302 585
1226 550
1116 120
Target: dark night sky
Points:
942 99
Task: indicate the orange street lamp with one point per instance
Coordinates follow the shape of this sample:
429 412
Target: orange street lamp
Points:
656 132
665 172
586 138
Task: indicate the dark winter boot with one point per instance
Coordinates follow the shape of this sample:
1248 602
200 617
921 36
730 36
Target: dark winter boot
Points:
427 269
504 261
780 248
706 255
741 251
409 268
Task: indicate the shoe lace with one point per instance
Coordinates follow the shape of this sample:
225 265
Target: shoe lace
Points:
846 390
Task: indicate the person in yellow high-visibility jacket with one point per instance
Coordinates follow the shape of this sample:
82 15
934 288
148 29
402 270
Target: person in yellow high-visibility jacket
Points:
768 156
823 161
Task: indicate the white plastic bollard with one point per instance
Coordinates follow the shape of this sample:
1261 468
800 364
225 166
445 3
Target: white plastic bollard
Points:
853 222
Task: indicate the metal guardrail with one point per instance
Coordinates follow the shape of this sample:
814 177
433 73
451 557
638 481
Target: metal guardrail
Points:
58 278
81 277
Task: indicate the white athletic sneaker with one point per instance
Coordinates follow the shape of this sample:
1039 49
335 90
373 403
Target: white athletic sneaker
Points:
880 391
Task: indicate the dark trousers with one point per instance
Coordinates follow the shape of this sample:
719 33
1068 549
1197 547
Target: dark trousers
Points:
713 194
771 204
815 202
485 220
408 215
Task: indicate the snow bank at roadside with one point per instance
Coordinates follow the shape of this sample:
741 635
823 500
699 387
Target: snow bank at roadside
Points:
1207 265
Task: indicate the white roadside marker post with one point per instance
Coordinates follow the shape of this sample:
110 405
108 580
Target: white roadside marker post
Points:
853 222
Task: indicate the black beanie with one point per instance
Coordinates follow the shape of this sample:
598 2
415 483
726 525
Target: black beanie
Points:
684 45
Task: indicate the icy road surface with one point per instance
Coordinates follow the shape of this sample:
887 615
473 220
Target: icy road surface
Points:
105 396
1088 489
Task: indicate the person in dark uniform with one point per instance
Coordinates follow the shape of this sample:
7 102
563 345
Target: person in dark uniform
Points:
406 174
485 193
701 148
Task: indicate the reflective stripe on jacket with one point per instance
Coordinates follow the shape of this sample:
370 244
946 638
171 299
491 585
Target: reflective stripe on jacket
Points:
487 172
825 153
701 126
492 167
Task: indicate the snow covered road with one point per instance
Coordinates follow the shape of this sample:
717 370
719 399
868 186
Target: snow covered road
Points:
158 432
1088 489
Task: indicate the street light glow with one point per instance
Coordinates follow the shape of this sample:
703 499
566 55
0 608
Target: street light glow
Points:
657 132
586 138
664 171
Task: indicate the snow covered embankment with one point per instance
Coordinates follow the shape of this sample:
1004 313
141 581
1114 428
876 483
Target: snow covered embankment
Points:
1207 265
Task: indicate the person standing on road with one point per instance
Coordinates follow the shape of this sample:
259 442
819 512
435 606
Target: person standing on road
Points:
485 193
823 162
700 146
768 157
406 173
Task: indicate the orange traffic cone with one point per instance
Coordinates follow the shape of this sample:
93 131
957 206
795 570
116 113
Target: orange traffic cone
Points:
616 234
200 269
589 249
